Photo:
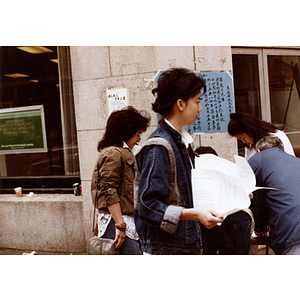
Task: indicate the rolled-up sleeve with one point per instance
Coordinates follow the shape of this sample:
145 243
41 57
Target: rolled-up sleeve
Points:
110 168
171 218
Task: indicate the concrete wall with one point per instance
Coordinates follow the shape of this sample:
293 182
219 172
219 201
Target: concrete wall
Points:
96 68
43 222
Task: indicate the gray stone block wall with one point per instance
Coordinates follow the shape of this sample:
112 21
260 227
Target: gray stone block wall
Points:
96 68
44 222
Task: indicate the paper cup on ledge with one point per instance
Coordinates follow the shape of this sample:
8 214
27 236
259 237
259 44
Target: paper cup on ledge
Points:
18 191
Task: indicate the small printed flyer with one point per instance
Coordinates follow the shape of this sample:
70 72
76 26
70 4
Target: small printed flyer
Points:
117 98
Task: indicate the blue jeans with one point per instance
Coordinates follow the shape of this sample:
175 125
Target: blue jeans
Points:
232 237
128 247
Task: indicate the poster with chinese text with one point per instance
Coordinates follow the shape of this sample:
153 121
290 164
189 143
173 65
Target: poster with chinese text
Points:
217 103
117 98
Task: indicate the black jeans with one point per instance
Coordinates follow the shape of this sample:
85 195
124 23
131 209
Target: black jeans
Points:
232 237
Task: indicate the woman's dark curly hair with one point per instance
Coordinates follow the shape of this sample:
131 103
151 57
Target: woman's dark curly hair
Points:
246 123
174 84
122 125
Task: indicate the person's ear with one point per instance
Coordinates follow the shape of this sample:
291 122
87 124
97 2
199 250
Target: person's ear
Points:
181 104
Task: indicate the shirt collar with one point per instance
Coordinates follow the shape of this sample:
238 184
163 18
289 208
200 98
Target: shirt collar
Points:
125 145
185 136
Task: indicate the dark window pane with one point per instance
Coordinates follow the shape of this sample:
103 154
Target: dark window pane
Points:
32 78
246 86
284 88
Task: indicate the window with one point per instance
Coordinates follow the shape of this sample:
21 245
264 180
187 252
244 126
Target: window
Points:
38 77
267 84
246 83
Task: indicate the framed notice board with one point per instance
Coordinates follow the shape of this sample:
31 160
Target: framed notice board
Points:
22 130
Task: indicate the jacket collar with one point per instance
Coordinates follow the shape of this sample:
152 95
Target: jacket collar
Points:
179 139
185 136
176 134
128 155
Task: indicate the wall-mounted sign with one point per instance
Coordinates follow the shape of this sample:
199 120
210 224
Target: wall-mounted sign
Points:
117 98
22 130
217 103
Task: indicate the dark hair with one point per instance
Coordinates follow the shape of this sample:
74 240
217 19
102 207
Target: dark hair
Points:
206 150
174 84
123 125
246 123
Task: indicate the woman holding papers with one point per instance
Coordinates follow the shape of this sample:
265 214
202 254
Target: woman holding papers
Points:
164 215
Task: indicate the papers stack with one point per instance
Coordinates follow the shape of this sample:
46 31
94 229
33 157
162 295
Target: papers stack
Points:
222 185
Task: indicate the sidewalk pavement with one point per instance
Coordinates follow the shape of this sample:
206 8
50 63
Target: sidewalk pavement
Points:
5 251
261 251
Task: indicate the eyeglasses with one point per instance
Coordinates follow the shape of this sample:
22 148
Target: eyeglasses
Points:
139 134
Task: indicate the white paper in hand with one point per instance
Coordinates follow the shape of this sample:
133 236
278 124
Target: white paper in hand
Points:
220 184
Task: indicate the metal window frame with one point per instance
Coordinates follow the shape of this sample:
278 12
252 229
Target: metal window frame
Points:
265 53
262 54
259 53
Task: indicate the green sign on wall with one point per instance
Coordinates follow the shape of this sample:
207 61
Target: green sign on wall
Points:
22 130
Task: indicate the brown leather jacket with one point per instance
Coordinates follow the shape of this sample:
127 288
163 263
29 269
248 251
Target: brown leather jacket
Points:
112 179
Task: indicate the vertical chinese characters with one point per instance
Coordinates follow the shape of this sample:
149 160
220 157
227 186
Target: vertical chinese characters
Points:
217 103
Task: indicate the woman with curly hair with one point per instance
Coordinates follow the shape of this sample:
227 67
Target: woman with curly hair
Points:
113 177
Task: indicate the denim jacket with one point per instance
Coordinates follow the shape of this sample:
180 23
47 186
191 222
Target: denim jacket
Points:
162 189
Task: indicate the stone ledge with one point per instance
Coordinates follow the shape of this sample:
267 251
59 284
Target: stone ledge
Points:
41 197
45 222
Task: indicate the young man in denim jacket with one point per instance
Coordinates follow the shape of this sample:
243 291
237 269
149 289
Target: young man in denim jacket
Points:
164 215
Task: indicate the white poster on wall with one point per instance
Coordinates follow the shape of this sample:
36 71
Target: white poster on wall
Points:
117 98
